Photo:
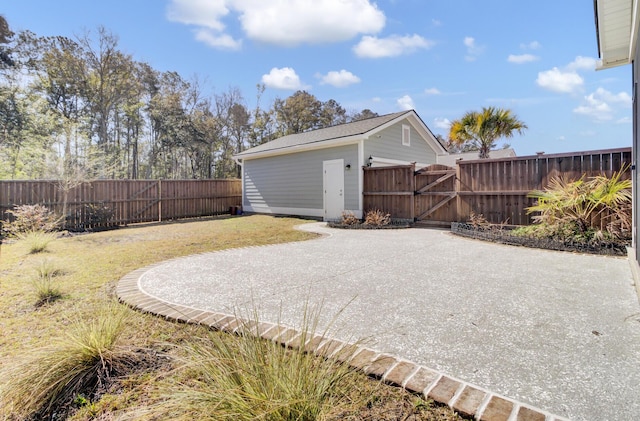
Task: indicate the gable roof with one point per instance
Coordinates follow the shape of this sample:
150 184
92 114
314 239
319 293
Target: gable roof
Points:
341 133
450 160
616 30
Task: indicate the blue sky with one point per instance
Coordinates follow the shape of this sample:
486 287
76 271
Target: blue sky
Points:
441 58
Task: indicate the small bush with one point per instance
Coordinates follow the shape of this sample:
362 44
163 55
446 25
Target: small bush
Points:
348 218
81 362
30 218
44 285
98 216
377 218
478 221
37 241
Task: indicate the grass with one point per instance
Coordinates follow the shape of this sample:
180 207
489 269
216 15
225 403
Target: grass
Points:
88 268
44 283
37 241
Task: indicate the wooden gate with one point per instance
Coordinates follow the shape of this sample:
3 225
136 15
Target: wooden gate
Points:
435 195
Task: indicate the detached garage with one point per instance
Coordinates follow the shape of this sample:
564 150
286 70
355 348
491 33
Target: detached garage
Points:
319 173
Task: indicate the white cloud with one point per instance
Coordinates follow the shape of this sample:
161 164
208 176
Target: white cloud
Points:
582 63
533 45
442 123
595 108
432 91
436 22
204 13
292 22
624 120
339 79
622 98
522 58
598 104
406 103
392 46
222 41
473 50
557 80
283 22
284 78
376 99
561 138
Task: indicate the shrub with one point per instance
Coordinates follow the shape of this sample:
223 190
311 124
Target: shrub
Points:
97 216
478 221
46 290
80 362
37 241
30 218
348 218
377 218
578 208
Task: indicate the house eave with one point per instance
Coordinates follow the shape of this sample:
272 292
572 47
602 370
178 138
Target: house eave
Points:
350 140
616 31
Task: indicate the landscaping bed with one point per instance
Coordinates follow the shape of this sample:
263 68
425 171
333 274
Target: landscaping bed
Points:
504 235
394 224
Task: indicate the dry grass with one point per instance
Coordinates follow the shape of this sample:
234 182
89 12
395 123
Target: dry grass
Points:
90 267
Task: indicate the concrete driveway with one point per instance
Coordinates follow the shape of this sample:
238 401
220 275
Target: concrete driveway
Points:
558 331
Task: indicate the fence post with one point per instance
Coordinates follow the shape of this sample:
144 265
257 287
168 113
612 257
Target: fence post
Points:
160 200
413 192
457 186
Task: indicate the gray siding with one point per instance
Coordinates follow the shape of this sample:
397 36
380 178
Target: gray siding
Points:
636 151
295 180
389 145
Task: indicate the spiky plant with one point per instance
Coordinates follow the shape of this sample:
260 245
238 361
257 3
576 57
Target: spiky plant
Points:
81 361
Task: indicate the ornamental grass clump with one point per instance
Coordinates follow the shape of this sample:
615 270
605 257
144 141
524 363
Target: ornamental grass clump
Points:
37 241
250 378
44 283
80 362
348 218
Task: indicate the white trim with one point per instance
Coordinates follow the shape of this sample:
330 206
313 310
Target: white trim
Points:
242 185
385 162
635 18
318 213
406 141
411 117
325 144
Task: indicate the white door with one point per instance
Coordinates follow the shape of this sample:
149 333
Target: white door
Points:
333 184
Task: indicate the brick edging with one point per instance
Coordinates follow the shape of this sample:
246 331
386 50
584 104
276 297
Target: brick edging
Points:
463 397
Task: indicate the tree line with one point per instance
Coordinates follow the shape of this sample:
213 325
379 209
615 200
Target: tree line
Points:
81 108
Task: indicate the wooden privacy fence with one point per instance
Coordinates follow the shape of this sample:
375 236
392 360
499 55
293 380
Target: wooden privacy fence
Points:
496 188
126 201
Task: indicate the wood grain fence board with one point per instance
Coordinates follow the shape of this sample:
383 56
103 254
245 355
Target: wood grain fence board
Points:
131 201
496 188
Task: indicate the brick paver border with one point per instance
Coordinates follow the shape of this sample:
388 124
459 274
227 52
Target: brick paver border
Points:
459 395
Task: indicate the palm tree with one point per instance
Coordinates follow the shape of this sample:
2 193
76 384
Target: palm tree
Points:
482 129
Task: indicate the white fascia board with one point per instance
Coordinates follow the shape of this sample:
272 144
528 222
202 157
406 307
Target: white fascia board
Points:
417 123
343 141
635 21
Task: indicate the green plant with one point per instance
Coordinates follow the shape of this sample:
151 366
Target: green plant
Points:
348 218
79 363
46 290
580 207
97 216
30 218
37 241
252 378
377 218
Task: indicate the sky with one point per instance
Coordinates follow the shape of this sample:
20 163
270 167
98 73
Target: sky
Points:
442 58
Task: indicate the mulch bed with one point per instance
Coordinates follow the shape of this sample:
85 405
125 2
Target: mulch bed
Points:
503 236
